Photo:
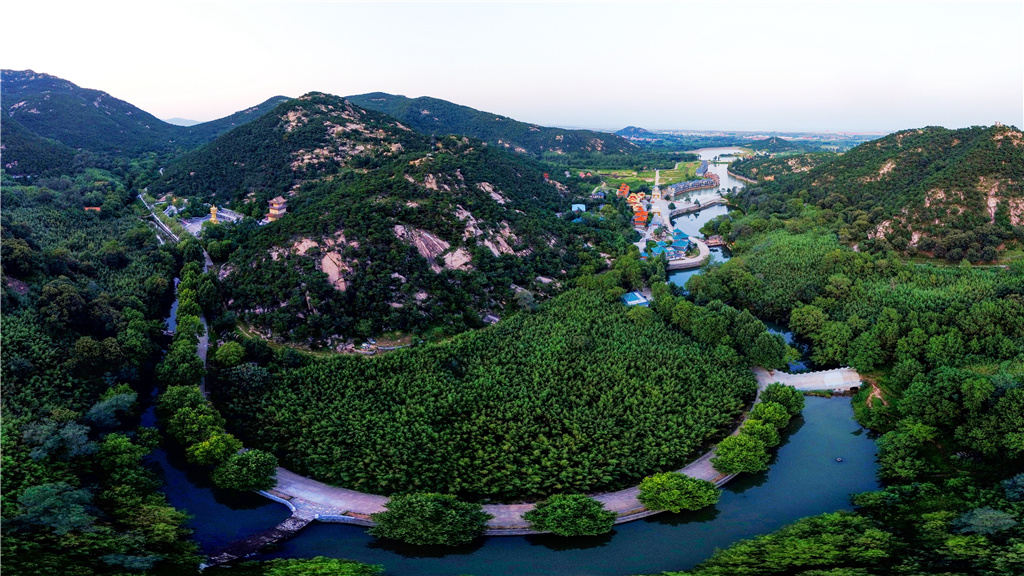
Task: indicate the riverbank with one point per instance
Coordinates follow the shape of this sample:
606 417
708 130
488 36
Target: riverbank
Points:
804 480
325 503
740 177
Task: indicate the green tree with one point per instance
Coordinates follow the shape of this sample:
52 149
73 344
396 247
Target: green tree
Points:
57 506
251 470
764 431
676 492
316 566
984 520
740 453
430 519
219 447
570 515
771 413
230 354
789 397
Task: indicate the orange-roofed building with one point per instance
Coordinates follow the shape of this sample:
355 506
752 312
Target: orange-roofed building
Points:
94 208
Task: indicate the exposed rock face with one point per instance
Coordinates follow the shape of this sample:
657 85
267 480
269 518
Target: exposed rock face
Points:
431 247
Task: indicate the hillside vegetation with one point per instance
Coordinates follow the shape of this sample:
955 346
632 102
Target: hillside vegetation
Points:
769 168
949 193
440 117
385 230
54 108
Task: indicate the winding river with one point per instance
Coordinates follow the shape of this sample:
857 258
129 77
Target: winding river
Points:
804 479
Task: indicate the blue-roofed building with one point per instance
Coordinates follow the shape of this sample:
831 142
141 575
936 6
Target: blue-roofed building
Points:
635 299
657 250
578 221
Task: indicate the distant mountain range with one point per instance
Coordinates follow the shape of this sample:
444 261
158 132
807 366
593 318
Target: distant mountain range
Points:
438 117
59 110
182 121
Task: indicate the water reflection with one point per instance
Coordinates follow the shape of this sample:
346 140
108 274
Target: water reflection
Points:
563 543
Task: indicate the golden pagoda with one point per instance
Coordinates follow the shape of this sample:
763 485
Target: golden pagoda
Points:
278 207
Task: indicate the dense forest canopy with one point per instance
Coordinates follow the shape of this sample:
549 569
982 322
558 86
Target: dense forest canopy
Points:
584 395
83 294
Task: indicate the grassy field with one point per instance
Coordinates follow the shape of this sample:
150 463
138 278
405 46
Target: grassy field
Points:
682 172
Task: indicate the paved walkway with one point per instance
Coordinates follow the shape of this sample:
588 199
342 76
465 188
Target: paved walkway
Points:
841 379
333 504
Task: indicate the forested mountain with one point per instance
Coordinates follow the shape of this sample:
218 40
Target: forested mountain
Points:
440 117
57 109
635 132
768 168
949 193
773 145
23 152
386 229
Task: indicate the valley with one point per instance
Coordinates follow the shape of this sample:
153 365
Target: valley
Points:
427 308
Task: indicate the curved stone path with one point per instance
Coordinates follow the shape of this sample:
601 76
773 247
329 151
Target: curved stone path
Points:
327 503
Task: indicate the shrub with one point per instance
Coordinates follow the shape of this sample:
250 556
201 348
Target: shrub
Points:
763 431
571 515
252 470
219 447
770 413
676 492
790 398
740 453
1014 488
430 519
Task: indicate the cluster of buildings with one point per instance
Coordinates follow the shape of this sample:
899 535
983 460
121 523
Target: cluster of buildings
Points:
636 202
712 181
673 250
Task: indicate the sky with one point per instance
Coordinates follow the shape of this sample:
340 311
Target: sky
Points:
760 66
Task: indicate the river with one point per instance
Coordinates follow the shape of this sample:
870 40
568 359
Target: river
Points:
805 479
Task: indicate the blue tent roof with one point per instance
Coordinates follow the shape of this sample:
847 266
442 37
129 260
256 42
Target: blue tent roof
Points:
577 220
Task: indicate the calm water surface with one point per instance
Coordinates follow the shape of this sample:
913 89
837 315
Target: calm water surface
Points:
804 480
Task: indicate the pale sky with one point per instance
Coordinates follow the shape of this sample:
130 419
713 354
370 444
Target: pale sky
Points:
840 66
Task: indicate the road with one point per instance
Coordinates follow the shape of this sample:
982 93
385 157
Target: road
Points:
158 221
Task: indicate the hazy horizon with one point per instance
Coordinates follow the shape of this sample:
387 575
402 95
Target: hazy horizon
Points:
759 66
